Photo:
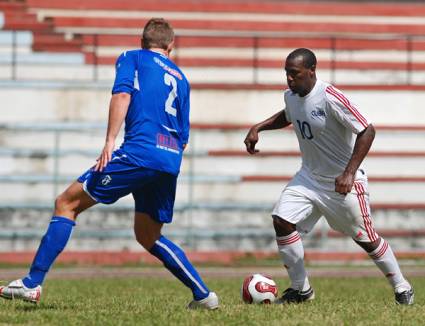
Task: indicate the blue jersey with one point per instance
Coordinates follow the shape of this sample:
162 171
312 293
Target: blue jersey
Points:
157 121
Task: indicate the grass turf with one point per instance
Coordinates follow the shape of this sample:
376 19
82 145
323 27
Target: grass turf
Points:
159 301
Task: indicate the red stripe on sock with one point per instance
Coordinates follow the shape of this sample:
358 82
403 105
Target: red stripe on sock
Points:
381 251
289 240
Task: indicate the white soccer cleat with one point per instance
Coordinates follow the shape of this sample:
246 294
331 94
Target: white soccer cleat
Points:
17 290
209 303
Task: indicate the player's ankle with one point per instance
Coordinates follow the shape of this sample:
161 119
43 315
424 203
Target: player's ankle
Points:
28 283
200 296
404 286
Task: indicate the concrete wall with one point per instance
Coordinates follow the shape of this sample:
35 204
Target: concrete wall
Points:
41 105
106 229
221 106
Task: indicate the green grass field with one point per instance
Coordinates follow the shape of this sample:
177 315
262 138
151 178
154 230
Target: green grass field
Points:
162 301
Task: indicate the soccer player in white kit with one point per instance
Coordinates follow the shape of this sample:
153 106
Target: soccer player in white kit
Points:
334 138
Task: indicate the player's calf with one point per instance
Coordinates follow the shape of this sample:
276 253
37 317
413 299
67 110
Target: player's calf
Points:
386 261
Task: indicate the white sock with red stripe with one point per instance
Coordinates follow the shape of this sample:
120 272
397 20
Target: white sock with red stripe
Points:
384 258
291 251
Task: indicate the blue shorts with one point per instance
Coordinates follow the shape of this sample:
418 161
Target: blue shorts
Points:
153 191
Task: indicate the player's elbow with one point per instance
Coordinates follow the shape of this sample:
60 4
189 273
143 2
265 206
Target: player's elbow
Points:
371 131
120 100
368 132
123 96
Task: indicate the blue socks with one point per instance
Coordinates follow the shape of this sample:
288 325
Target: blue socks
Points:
59 232
176 262
52 244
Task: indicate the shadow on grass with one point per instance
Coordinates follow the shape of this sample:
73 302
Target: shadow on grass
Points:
28 307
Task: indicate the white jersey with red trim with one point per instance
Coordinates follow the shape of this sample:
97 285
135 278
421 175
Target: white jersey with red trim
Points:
326 123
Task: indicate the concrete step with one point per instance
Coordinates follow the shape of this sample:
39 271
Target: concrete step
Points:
32 69
341 9
22 38
235 191
62 72
388 139
90 103
106 229
211 165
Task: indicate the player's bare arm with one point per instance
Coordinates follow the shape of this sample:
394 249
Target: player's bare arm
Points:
345 181
117 111
277 121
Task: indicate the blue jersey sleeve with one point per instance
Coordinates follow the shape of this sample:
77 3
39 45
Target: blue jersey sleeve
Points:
125 75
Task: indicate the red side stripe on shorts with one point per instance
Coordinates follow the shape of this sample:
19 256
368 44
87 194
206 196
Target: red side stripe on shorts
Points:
365 213
381 251
369 220
362 209
287 241
347 104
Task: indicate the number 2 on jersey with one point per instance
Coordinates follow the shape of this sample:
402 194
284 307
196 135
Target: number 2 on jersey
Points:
170 81
305 129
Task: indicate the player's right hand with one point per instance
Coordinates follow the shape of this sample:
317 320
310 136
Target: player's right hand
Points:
251 140
105 156
344 183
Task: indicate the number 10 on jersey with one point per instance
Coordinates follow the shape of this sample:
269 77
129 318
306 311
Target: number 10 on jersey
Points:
305 129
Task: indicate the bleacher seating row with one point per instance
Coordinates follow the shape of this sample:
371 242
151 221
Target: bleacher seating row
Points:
395 176
220 37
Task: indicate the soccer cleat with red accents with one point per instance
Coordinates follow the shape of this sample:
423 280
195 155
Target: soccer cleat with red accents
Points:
17 290
209 303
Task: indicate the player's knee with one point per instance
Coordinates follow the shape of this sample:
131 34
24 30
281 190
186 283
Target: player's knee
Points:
369 246
146 230
61 202
64 206
282 227
139 239
146 240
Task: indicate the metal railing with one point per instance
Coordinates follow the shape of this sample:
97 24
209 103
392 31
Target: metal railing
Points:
405 45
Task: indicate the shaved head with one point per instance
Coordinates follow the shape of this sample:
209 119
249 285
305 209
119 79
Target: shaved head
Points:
308 57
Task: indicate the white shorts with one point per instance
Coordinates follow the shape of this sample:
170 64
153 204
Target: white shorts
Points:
304 200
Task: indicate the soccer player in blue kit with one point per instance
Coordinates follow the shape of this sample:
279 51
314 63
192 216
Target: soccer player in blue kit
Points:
152 95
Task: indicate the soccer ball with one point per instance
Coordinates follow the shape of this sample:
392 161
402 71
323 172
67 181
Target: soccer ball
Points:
258 288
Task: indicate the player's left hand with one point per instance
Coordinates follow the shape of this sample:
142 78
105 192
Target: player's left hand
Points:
344 183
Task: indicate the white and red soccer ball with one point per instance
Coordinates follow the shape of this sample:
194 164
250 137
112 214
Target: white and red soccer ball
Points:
258 288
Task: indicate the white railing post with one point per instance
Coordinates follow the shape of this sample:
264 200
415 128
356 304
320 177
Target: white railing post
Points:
191 177
56 158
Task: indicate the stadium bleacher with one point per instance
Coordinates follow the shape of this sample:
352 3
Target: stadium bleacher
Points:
245 43
231 50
